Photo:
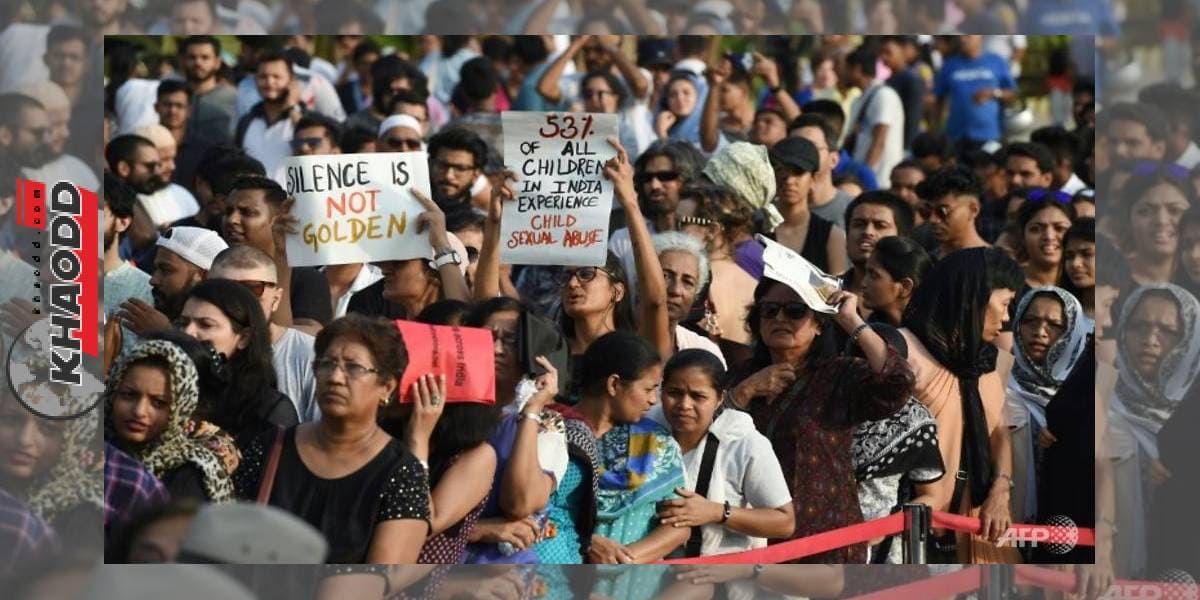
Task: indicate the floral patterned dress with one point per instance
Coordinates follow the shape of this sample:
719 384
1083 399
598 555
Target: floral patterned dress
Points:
811 426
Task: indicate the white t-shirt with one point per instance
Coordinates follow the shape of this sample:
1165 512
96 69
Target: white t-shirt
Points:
316 93
65 168
269 144
169 204
883 107
135 104
367 276
292 356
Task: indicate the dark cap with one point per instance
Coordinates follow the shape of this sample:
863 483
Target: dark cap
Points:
655 52
797 153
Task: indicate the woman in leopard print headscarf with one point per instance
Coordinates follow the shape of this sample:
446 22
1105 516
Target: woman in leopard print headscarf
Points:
151 395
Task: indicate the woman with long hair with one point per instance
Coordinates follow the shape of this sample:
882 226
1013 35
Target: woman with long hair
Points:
1155 198
1044 219
807 400
228 316
950 326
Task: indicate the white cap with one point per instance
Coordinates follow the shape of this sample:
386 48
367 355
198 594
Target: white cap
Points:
400 120
196 245
243 533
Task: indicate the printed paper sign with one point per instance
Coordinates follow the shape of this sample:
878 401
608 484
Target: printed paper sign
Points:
563 201
355 208
465 355
787 266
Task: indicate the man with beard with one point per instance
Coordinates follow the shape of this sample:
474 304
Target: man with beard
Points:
870 218
183 259
59 165
266 131
135 161
122 280
174 107
659 174
170 202
256 210
456 157
67 60
25 131
213 102
952 202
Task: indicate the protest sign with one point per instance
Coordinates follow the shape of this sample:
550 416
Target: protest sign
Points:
465 355
354 208
563 203
787 266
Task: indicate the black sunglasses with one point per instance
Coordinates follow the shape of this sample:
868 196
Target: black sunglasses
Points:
408 143
791 310
663 176
583 274
298 143
256 287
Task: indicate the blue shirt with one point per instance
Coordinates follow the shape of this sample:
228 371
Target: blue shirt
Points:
1076 18
959 80
864 174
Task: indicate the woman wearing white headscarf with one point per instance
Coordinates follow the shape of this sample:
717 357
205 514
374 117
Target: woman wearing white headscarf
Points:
1051 333
1158 359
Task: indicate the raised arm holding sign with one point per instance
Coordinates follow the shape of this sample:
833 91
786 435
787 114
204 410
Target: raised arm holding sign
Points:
357 208
563 199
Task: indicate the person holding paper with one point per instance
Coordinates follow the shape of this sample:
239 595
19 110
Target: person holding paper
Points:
807 398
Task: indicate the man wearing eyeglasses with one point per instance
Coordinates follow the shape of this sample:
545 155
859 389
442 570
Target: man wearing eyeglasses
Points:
135 161
292 351
456 157
951 204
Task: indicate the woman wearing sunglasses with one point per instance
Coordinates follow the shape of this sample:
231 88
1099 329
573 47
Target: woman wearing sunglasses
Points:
226 314
594 300
807 399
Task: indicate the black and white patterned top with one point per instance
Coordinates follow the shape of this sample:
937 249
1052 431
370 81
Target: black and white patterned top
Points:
391 486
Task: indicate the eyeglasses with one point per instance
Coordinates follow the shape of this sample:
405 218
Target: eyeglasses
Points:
791 310
583 274
1040 194
1172 170
663 176
326 366
442 165
256 287
406 143
308 142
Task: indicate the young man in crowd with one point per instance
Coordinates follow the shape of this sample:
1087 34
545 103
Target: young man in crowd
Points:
1029 165
952 202
905 178
266 130
456 158
1179 107
832 112
184 257
135 161
25 131
67 60
870 218
316 134
972 88
828 201
389 75
355 92
257 210
907 82
1064 146
876 118
215 175
214 102
292 351
1135 131
175 107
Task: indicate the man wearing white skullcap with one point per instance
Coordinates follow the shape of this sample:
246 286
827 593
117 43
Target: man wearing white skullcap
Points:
60 166
400 133
184 257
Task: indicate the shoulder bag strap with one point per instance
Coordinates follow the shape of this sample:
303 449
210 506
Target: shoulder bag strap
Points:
268 477
707 461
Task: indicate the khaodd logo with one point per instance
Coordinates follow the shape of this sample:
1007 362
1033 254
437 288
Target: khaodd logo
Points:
53 365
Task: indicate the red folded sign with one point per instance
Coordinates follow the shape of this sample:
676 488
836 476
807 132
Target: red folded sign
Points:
464 355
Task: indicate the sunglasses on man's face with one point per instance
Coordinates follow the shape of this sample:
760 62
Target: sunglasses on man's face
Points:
256 287
308 142
791 310
942 211
663 176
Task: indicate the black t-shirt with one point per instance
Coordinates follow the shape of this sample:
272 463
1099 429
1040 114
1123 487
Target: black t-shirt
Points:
369 301
310 295
391 486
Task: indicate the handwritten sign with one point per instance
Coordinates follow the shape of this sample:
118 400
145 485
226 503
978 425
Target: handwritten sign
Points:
354 208
787 266
465 355
563 199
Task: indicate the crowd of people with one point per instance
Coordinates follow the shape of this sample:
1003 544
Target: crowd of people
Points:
675 401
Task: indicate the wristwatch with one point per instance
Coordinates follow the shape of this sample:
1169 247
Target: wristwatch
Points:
728 512
448 256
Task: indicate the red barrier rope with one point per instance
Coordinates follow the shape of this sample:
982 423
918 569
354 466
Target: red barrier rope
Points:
1049 534
958 582
808 546
1065 581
